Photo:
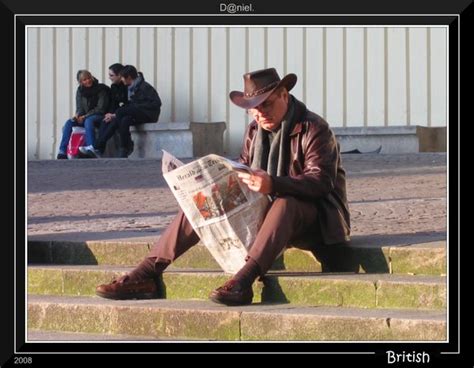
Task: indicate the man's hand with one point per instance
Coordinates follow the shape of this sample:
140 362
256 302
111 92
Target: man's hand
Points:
259 181
108 117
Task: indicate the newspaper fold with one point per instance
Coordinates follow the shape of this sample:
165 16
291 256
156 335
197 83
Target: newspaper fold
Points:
223 211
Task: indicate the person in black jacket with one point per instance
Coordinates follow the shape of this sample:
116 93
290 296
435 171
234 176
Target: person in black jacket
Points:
109 125
92 101
144 106
118 91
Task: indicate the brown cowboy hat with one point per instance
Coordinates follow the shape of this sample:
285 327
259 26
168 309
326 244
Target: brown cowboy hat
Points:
259 85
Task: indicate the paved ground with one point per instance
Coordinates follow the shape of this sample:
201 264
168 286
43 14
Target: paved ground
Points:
398 197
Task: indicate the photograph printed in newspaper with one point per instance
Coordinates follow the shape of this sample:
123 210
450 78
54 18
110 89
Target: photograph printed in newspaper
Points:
223 211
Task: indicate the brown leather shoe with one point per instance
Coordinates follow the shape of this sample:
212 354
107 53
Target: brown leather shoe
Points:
232 293
122 288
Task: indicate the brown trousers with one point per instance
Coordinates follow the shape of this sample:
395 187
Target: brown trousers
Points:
288 220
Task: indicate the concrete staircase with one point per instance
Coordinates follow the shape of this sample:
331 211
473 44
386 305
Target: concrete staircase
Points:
399 293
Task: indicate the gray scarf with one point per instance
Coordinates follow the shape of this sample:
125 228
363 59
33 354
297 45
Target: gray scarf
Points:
133 87
273 158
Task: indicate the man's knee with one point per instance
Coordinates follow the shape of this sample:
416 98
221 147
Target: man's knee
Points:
67 127
295 213
89 123
68 124
125 120
120 113
285 203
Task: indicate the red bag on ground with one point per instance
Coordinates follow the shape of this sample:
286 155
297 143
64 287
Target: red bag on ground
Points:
78 139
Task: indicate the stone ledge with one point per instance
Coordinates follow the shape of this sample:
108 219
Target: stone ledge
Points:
418 259
393 139
298 288
182 139
382 130
432 139
160 126
163 319
208 138
151 138
195 139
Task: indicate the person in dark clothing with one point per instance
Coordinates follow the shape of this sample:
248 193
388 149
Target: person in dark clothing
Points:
92 102
144 106
295 158
118 91
109 125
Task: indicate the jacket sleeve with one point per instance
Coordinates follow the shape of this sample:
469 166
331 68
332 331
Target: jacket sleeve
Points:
102 104
148 99
79 109
320 155
113 103
244 156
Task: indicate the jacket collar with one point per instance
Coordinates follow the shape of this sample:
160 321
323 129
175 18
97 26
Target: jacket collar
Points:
299 116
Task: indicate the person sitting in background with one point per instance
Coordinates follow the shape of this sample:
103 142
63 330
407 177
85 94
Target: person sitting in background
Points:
144 106
118 91
92 101
109 125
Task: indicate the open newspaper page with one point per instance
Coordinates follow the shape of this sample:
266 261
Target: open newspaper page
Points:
222 210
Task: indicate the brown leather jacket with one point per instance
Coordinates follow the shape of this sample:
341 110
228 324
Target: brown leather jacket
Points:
315 172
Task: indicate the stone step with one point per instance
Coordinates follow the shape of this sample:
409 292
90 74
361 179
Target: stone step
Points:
50 336
170 319
323 289
371 255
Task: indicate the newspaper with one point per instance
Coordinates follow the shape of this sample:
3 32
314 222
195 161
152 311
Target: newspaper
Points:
223 211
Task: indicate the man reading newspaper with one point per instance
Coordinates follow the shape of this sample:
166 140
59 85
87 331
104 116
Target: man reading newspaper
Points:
295 159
